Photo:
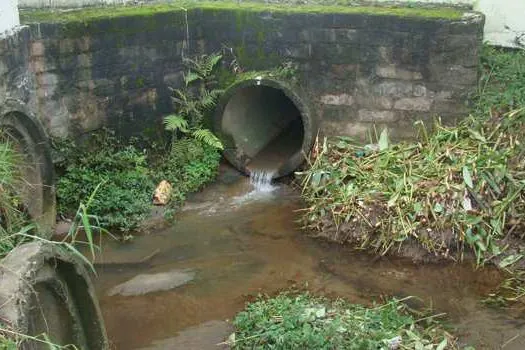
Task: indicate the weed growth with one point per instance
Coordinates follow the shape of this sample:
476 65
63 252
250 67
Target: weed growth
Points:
194 156
189 165
455 187
12 217
128 175
124 197
307 322
194 103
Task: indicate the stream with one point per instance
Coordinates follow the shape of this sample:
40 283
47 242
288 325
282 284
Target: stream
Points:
177 287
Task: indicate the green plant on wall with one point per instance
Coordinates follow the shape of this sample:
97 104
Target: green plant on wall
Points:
193 102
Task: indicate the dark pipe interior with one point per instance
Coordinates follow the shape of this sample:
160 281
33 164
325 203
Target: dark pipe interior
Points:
265 125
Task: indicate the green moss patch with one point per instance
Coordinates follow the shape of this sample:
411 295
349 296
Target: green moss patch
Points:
88 14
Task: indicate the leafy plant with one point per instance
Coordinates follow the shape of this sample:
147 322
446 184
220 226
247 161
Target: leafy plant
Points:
11 340
195 101
189 165
502 84
306 322
123 199
454 187
12 216
194 156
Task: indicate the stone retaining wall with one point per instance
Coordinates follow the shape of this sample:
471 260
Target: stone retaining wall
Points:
359 69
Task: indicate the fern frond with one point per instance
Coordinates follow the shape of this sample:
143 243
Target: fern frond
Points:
210 62
181 146
208 138
209 98
179 97
175 122
216 93
191 77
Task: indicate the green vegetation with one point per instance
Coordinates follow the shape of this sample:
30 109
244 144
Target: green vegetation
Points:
127 176
194 155
12 216
90 14
307 322
6 343
124 198
12 340
195 102
455 187
17 228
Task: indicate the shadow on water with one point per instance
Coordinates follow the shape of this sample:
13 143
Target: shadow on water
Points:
236 249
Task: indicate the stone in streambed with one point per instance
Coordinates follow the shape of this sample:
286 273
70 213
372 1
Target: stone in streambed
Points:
149 283
162 193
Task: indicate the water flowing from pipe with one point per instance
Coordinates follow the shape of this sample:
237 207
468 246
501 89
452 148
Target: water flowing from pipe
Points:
261 180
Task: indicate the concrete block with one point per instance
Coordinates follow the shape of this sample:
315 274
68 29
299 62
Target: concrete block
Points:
37 48
366 115
393 89
374 102
420 104
394 72
338 100
420 90
66 46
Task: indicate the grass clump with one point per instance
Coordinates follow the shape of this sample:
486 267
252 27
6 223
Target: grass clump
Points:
307 322
12 218
455 187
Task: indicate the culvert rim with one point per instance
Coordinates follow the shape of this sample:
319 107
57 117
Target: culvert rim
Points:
295 95
32 136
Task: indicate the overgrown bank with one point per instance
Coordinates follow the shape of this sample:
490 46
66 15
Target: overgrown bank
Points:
126 171
303 321
17 227
455 189
12 216
128 174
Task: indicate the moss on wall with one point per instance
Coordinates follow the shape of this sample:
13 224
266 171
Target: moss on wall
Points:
89 14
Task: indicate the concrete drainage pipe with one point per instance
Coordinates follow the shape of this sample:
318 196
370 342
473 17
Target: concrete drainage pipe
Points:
29 139
45 290
264 125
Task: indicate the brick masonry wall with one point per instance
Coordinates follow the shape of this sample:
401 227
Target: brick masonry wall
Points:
16 80
358 70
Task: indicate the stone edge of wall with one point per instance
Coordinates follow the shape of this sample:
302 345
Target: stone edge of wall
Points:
79 44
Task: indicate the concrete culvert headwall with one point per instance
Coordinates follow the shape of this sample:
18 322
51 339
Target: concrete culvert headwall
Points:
264 125
26 134
46 290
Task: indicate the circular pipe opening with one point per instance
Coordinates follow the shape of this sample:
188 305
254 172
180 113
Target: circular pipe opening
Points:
36 166
264 126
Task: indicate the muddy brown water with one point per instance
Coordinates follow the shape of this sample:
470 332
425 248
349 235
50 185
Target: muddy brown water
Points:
237 244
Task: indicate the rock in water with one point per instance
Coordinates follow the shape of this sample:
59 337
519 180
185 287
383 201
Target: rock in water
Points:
162 193
148 283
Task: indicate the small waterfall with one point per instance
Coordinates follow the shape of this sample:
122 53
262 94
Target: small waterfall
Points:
261 180
262 187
